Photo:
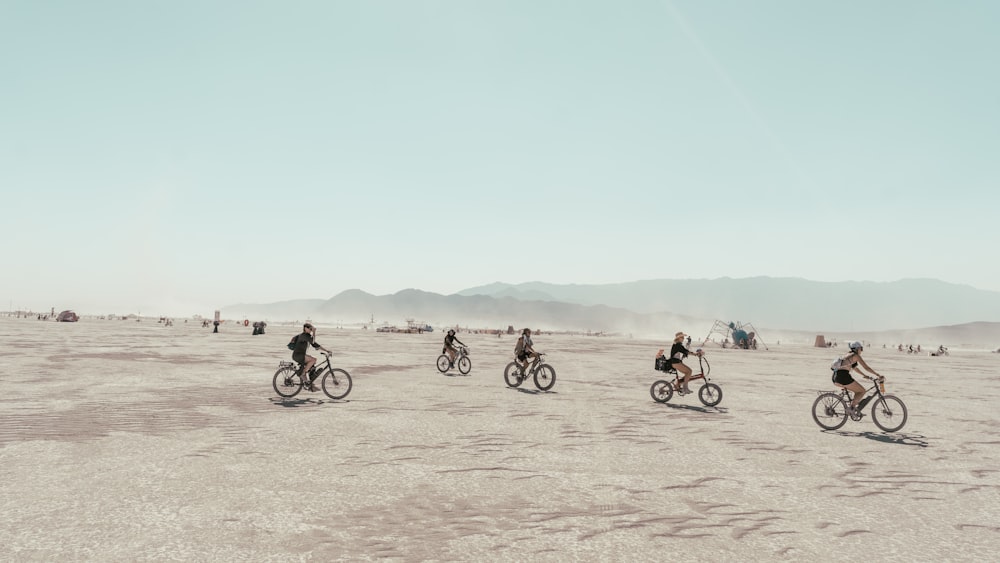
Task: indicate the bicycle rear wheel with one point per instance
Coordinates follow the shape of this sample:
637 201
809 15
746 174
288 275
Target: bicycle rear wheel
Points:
443 363
889 413
710 394
830 411
337 383
661 390
287 382
545 377
464 365
512 375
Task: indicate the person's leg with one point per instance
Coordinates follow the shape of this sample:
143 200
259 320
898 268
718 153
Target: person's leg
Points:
681 368
307 367
859 392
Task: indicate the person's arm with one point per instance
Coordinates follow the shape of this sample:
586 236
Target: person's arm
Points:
861 362
460 342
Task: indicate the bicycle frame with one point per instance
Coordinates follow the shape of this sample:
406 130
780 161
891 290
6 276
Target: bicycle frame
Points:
702 363
864 401
533 367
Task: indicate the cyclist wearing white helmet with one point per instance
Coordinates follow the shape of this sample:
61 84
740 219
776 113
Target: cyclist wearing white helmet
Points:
842 374
449 346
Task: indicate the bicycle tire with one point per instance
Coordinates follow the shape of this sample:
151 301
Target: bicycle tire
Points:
337 383
512 375
443 363
545 377
887 410
829 411
710 394
661 390
287 383
464 365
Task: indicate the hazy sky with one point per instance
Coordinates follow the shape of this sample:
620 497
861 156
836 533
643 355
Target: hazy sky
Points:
177 156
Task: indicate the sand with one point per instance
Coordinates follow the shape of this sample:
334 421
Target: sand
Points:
134 441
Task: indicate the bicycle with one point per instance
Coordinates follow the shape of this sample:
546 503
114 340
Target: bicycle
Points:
464 363
830 410
543 374
662 390
288 381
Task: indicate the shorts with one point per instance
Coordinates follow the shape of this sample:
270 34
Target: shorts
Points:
674 361
300 358
842 377
522 356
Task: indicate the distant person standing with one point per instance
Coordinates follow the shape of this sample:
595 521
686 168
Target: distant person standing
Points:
216 329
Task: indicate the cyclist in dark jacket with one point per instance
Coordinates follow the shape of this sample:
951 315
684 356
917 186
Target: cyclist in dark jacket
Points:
302 342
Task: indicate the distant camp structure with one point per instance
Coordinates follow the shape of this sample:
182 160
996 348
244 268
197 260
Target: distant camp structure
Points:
412 327
67 317
737 335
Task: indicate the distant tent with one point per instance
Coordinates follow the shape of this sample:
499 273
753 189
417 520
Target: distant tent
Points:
67 317
820 341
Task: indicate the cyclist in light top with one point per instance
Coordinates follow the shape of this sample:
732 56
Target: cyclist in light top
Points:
524 350
842 375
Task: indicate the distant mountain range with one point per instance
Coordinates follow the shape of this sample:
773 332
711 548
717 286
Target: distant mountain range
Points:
479 311
788 303
662 306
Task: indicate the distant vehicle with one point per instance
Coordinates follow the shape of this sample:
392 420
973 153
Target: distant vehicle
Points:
68 317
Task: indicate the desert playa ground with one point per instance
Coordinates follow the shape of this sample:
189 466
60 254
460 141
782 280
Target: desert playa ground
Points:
135 441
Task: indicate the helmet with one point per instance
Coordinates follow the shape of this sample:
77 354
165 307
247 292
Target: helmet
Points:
855 346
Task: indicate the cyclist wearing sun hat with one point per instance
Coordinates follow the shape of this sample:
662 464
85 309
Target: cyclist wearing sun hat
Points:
677 354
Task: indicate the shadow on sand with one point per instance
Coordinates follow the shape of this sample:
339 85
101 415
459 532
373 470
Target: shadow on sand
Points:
532 391
297 402
697 408
900 438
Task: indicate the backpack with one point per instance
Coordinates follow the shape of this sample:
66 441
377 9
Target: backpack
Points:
293 342
519 349
837 364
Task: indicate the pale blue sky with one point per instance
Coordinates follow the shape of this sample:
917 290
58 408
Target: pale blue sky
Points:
173 157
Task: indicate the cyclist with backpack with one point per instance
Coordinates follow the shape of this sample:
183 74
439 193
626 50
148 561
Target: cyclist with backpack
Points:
449 346
842 373
524 350
298 345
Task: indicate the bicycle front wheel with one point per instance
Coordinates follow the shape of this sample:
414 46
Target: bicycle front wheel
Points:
512 375
661 391
545 377
830 411
444 363
710 394
464 365
287 382
889 413
337 383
